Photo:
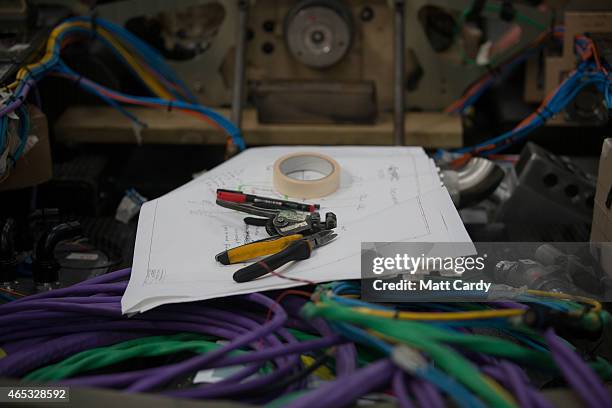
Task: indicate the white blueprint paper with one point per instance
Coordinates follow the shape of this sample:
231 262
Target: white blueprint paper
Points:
386 194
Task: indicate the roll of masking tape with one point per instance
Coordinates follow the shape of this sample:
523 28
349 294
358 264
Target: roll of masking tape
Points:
293 175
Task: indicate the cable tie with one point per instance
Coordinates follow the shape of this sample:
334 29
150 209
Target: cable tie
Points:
544 113
407 358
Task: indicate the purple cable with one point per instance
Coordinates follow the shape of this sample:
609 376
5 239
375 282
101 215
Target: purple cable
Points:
18 364
97 309
577 373
515 380
119 275
15 347
18 101
400 390
221 328
346 390
426 394
508 304
80 289
346 354
190 365
512 382
36 330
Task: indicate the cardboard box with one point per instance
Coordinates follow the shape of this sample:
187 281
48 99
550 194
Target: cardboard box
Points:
602 211
35 166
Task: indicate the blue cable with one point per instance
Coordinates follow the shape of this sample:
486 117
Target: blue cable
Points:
462 396
64 69
120 57
148 53
584 76
152 57
24 128
456 391
3 126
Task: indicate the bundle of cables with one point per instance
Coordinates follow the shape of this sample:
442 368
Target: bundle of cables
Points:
323 348
166 90
591 71
500 71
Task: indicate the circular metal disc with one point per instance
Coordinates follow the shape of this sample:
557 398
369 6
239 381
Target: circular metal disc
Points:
318 36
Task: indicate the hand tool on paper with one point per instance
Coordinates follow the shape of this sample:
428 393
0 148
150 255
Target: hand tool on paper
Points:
297 249
280 217
264 202
256 249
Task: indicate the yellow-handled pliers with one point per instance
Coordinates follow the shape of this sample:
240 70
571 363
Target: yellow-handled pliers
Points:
267 246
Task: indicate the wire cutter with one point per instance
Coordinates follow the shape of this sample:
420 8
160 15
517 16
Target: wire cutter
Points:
284 250
278 216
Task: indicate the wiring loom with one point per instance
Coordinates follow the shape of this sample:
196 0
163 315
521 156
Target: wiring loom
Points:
591 71
166 90
415 353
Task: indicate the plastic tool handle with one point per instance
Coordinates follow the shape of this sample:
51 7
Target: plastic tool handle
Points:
297 251
256 249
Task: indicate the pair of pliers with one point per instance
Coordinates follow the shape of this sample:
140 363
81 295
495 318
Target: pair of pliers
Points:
281 251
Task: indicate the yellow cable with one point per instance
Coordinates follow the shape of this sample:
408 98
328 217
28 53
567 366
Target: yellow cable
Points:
500 390
469 315
155 86
596 305
322 372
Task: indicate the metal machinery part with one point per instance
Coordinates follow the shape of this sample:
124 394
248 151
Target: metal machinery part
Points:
319 33
474 182
550 190
435 74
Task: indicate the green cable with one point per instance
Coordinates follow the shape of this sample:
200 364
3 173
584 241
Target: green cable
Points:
427 339
303 336
142 347
603 368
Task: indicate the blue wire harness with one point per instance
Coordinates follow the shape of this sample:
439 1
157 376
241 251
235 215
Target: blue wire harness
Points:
590 71
145 63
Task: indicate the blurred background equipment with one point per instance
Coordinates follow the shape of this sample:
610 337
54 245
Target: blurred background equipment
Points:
550 189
